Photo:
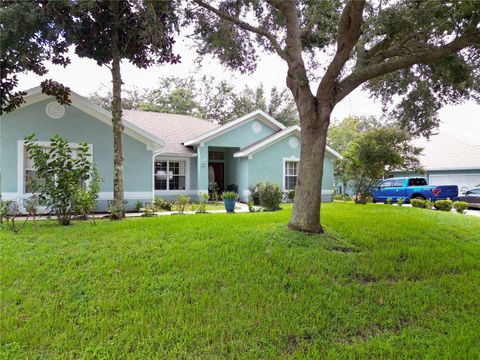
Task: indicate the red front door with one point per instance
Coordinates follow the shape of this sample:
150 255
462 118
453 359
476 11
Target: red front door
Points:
219 175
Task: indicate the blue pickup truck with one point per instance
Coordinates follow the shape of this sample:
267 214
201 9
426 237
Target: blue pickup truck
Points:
411 188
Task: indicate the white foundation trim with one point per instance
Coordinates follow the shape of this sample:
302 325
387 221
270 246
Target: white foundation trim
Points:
175 192
108 195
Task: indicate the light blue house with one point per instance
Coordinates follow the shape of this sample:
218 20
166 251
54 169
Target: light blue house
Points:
165 154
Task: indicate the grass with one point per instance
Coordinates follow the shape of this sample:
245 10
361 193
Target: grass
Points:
383 282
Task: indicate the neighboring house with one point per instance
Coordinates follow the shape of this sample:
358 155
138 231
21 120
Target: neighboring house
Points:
165 154
448 160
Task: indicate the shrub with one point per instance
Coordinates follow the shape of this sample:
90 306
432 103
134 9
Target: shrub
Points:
60 174
181 203
255 193
428 204
444 205
400 201
160 204
418 203
10 210
232 188
138 206
340 197
291 195
460 206
148 210
213 191
202 205
389 201
270 196
229 195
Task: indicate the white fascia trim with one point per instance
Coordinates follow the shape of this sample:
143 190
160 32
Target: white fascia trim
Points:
153 143
451 169
278 136
11 196
175 155
261 115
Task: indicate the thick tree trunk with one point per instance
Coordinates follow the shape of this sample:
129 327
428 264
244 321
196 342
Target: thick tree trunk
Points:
308 192
118 187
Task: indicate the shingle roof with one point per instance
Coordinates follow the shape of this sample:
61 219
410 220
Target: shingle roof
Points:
174 129
446 152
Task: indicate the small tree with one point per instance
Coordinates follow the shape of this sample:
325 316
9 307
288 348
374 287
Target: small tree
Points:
376 153
60 174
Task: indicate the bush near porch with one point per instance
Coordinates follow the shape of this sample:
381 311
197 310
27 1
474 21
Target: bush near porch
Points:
389 282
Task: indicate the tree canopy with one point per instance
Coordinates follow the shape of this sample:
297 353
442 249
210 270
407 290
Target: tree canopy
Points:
30 35
374 154
414 55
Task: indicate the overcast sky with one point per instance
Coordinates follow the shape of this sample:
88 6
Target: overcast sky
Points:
84 76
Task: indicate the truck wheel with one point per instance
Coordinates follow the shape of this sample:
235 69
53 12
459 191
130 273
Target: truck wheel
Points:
419 197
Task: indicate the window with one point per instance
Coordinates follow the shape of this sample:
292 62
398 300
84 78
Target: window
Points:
417 182
170 175
29 173
398 182
216 155
386 183
291 173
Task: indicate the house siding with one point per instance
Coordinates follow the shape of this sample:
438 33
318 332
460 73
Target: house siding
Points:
268 164
76 126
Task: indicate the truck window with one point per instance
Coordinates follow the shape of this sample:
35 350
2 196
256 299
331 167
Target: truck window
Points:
386 183
417 182
398 182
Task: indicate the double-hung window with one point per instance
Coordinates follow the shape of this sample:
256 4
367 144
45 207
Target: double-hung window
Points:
29 172
170 175
291 173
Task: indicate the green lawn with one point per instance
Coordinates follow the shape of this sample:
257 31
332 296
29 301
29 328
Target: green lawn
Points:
384 282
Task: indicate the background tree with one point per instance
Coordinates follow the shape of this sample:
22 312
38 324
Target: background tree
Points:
342 134
424 51
110 31
206 98
376 153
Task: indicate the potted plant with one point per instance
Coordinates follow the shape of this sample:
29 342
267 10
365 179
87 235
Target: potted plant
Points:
229 198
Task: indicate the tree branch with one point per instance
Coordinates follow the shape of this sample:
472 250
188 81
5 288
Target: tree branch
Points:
361 75
244 25
349 30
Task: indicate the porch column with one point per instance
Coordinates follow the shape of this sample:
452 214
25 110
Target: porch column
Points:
202 169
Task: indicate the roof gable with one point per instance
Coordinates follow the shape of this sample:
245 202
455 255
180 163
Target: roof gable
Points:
153 142
257 114
270 140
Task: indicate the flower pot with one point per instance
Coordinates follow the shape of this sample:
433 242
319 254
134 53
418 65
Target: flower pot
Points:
229 205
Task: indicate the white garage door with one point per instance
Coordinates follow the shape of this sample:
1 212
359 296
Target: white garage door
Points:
463 181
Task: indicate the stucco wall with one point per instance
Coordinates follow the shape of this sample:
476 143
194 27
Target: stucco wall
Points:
76 126
268 164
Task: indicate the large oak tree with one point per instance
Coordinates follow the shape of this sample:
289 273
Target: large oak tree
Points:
425 52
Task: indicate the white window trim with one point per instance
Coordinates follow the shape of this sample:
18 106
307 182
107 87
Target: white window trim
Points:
187 175
21 162
292 158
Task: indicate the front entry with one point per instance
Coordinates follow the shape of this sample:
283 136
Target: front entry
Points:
216 173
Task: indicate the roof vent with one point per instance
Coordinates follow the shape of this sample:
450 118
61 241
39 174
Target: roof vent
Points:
256 127
55 110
